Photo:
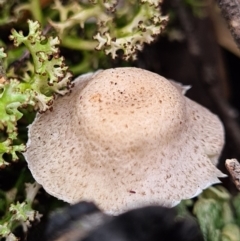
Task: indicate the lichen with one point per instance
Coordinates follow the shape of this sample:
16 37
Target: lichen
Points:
143 24
42 80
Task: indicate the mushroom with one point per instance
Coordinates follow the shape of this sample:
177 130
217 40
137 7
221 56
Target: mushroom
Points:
125 138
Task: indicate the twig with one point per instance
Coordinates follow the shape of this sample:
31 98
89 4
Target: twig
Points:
231 12
233 167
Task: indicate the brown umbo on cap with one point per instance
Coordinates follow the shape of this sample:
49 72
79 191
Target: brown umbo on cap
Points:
125 137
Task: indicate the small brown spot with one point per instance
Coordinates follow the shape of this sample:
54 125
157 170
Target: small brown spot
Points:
168 176
131 191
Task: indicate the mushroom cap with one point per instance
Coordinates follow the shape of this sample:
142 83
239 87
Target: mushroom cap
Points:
125 137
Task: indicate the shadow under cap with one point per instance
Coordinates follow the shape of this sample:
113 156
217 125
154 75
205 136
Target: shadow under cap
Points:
125 137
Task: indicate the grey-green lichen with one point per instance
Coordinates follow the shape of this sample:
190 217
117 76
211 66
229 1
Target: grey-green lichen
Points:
143 23
45 77
19 213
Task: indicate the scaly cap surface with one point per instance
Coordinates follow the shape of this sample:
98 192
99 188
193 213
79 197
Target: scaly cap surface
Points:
125 137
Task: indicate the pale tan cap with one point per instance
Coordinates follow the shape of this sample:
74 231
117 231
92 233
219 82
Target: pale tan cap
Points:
123 138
